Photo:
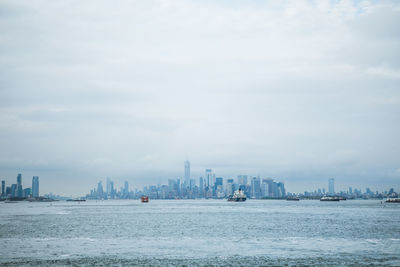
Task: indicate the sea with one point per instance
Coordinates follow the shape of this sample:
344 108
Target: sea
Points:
200 233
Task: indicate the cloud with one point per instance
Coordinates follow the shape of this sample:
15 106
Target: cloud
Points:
384 72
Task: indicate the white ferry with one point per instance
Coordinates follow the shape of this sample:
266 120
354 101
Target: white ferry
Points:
238 196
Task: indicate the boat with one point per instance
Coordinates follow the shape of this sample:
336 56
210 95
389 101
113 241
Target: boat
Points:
144 199
393 200
293 199
40 199
10 201
238 196
327 198
76 200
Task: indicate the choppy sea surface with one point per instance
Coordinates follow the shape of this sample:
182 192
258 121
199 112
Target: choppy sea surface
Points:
200 233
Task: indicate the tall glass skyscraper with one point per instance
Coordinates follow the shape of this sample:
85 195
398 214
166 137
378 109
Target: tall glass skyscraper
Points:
35 186
108 187
187 173
126 189
3 188
19 185
201 185
100 191
208 178
331 186
256 187
218 181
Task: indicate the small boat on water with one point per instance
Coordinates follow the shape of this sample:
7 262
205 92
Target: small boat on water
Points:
393 200
10 201
238 196
328 198
293 199
144 199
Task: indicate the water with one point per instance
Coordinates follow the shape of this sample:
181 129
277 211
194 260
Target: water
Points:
201 233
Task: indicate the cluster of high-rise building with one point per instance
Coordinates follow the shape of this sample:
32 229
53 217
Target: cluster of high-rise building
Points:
351 193
110 192
207 186
211 186
17 191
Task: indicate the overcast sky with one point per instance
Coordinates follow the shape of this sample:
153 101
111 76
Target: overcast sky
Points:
300 91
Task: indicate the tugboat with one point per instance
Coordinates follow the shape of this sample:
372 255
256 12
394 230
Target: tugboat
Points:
238 196
144 199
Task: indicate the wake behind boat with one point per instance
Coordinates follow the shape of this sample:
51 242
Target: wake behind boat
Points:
238 196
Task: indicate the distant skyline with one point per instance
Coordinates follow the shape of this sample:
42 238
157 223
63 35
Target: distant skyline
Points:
293 186
300 91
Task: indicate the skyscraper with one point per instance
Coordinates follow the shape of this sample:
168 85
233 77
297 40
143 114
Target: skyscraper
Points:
3 188
112 189
201 185
218 182
229 186
242 179
126 189
192 183
100 191
208 178
8 191
172 188
331 186
270 183
275 192
26 192
264 189
19 185
281 189
178 186
187 173
35 186
255 187
14 190
108 187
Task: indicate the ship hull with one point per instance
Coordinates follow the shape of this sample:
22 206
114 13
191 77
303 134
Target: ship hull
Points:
393 200
239 199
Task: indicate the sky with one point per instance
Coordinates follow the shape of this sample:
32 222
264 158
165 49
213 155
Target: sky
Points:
299 91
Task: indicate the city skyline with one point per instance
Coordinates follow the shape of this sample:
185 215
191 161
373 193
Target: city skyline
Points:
17 190
296 183
208 179
220 188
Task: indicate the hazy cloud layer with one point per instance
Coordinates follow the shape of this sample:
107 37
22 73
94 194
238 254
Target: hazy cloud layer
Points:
297 90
